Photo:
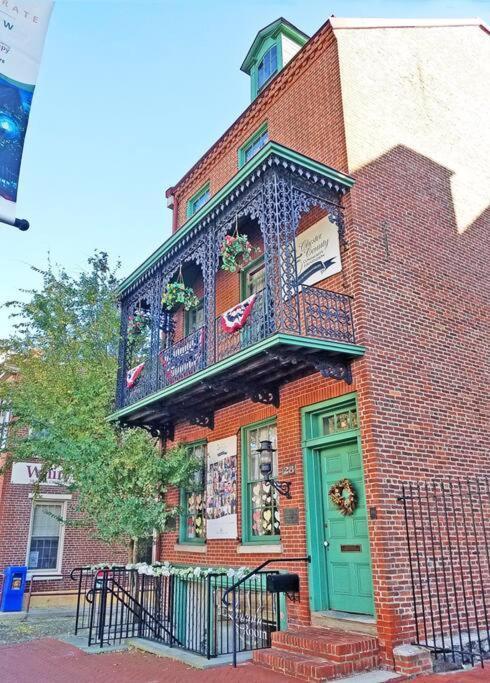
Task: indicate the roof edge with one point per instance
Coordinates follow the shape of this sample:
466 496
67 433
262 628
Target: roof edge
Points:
363 23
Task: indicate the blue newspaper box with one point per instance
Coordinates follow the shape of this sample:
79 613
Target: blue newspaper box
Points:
14 585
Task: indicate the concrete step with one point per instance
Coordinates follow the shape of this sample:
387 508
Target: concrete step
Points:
334 645
306 667
344 621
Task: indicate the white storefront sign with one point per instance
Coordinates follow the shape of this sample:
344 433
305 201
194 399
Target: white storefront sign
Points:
318 252
28 473
221 489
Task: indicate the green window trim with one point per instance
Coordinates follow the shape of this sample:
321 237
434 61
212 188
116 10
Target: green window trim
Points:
195 202
314 415
254 72
253 265
188 318
183 501
247 537
249 142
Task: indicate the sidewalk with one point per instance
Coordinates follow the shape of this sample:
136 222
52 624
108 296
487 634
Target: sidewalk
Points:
51 661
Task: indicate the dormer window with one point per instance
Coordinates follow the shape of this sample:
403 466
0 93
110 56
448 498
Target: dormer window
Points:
267 67
273 47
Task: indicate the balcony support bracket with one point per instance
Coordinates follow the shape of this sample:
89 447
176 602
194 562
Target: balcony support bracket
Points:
329 367
335 369
203 420
263 394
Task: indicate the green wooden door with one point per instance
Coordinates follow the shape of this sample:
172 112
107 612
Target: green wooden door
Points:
346 541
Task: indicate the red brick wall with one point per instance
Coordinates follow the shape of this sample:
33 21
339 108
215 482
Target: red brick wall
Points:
303 110
419 279
228 422
80 547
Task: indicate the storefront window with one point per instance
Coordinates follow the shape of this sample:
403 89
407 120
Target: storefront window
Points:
261 513
193 527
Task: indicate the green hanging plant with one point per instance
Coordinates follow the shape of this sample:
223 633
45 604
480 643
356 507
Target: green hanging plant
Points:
177 293
137 323
236 251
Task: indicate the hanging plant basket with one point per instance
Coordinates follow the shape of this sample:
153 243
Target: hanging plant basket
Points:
236 251
177 293
137 324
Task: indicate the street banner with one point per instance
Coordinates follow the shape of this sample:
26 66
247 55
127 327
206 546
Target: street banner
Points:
23 26
221 489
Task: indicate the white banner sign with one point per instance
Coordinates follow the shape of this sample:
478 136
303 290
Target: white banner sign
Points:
28 473
318 252
221 489
23 26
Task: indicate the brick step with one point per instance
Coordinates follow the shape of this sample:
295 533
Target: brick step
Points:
335 645
309 668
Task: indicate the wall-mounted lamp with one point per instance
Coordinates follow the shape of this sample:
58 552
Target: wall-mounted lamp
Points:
266 453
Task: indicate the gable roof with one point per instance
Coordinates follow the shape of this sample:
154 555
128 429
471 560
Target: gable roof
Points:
270 30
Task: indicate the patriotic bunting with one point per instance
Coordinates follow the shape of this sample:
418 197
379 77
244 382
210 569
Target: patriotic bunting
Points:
133 374
235 318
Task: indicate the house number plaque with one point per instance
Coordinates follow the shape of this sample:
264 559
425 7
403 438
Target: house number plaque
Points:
288 469
290 516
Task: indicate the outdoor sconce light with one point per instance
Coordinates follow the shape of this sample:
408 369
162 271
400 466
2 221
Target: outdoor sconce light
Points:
265 464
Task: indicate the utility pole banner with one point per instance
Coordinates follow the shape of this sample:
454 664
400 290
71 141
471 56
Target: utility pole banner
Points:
23 26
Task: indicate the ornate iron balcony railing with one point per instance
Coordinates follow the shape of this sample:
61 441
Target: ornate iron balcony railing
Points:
324 315
273 191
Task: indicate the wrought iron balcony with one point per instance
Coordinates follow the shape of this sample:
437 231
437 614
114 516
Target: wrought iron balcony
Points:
292 329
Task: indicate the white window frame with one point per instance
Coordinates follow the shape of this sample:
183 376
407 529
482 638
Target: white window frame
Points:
4 425
48 499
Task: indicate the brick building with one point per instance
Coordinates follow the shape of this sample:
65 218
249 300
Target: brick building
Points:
30 536
359 174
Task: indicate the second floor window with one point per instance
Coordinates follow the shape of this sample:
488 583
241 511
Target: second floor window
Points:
198 200
193 501
267 67
194 319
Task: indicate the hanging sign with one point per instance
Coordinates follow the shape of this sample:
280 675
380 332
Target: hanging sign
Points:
318 252
221 489
28 473
23 26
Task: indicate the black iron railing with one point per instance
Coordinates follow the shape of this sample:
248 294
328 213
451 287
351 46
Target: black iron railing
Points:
233 592
186 612
321 313
448 540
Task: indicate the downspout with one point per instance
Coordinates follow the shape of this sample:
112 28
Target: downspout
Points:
173 204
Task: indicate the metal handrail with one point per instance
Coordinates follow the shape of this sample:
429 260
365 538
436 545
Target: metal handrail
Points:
245 578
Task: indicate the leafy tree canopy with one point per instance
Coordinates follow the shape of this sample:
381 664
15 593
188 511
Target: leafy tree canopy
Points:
64 352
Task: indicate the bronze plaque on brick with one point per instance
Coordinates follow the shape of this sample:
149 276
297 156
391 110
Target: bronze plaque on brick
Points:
350 548
290 516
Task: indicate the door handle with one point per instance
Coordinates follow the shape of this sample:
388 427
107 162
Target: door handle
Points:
326 544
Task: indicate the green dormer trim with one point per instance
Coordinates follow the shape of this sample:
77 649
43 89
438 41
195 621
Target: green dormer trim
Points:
268 37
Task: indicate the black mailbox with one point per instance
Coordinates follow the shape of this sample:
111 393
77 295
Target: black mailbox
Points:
283 583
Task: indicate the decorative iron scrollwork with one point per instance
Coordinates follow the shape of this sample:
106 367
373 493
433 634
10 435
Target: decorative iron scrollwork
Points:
203 420
335 369
267 395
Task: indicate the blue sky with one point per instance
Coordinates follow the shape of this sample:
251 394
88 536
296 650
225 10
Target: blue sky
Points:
129 96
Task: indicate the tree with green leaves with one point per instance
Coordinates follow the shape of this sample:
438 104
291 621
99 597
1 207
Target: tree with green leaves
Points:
64 351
